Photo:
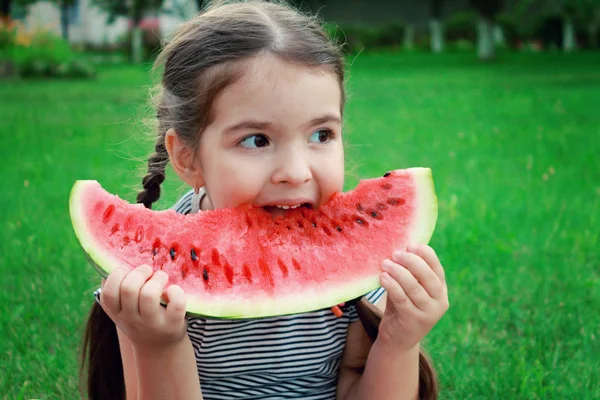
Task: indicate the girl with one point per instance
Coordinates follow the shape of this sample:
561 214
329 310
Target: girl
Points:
250 111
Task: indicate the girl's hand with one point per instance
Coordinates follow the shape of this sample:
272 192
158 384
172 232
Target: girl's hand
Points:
417 296
131 298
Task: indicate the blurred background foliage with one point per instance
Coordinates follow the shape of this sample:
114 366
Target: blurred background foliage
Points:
50 38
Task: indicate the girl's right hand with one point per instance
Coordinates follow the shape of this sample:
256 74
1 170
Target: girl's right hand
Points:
131 298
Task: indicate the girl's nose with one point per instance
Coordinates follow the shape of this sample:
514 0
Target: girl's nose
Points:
292 168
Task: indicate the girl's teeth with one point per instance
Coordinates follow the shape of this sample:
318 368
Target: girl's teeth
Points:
288 207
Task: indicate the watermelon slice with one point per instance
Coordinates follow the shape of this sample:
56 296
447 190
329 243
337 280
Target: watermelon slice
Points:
243 262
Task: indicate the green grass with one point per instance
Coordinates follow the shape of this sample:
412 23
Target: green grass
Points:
514 149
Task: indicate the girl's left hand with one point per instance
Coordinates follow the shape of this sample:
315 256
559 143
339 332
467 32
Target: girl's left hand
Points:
417 296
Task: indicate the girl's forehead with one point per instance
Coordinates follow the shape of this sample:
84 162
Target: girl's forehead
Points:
268 85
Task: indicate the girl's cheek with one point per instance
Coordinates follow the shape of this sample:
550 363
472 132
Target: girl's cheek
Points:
234 192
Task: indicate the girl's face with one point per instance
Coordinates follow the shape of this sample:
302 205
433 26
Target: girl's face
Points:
275 140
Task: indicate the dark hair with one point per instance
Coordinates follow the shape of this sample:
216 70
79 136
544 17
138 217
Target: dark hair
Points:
206 55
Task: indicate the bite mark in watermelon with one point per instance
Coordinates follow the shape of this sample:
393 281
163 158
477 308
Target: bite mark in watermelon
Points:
243 263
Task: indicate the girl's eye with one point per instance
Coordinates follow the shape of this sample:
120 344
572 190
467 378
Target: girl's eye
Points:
254 142
321 136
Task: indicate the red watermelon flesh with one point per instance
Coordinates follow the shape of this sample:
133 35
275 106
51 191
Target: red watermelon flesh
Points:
242 262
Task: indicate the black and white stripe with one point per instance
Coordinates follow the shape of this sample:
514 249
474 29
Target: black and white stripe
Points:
293 356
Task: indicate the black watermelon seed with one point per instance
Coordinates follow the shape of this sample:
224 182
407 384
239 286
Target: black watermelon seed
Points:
338 228
359 207
172 253
359 221
194 255
315 225
395 201
154 251
374 214
205 274
387 174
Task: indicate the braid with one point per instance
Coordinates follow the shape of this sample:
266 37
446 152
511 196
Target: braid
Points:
157 162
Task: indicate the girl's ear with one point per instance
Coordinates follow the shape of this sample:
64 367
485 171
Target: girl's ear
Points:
183 160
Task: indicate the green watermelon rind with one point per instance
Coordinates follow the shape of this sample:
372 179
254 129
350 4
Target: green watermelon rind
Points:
267 306
427 216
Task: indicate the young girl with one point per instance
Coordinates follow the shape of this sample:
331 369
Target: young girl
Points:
250 111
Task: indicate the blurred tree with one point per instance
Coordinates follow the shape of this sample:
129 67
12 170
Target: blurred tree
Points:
587 12
435 26
487 10
594 23
65 6
134 9
568 15
5 6
573 13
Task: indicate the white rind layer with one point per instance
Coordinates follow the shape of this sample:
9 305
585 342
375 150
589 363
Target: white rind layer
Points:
265 306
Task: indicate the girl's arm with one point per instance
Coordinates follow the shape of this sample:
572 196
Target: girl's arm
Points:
416 298
129 368
149 375
157 354
168 373
369 370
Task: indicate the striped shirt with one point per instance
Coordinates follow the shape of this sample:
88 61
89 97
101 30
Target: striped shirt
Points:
285 357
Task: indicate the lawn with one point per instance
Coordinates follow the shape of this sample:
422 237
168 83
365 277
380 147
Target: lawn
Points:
514 150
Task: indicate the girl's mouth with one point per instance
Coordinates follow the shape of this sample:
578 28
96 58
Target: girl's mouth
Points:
282 210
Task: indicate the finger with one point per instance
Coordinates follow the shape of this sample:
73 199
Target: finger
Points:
395 293
110 298
431 258
131 286
175 297
150 294
419 268
411 286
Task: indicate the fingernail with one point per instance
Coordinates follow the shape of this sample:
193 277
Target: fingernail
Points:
397 254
